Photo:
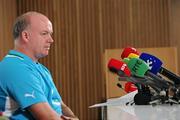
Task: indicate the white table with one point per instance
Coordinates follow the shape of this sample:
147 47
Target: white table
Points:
116 109
144 112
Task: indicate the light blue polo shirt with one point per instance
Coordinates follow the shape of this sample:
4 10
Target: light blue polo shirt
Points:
23 83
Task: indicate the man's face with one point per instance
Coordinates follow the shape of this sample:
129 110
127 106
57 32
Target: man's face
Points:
40 39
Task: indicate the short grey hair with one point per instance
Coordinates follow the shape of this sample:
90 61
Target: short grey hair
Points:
20 24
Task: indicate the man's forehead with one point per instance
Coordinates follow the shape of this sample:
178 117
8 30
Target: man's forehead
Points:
40 20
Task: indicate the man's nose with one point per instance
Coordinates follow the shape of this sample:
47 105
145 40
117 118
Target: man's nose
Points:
51 39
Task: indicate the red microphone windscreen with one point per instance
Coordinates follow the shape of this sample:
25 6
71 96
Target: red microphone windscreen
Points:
117 66
129 87
127 51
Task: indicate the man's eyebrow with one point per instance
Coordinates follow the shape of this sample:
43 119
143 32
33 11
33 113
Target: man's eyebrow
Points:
45 31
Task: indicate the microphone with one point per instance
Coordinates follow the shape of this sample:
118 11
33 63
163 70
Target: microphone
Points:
127 51
119 67
143 97
126 60
148 78
142 81
139 68
129 87
132 55
156 66
122 70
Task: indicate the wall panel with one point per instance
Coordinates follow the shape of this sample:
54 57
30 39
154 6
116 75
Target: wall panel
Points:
175 24
7 16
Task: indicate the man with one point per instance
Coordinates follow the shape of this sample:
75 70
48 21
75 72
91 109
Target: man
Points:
27 90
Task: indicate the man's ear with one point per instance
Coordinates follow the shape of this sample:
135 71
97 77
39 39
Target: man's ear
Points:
25 36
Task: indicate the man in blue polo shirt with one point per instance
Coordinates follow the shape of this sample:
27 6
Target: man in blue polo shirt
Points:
27 90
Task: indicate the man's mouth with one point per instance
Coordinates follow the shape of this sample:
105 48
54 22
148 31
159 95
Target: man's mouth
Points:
47 48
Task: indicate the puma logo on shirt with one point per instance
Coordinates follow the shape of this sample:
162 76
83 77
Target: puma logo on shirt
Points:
29 95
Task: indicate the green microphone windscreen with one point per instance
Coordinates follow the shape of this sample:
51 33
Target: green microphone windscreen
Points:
138 67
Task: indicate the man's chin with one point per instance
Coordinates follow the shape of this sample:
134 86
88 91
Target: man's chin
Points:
42 55
45 53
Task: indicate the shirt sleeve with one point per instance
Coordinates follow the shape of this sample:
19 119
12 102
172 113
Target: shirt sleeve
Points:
26 88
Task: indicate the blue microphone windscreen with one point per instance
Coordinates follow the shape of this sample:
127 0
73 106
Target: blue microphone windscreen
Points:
153 62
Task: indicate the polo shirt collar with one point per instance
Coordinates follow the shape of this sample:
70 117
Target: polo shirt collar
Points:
14 53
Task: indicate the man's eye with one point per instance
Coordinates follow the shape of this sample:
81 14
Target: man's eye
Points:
44 33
